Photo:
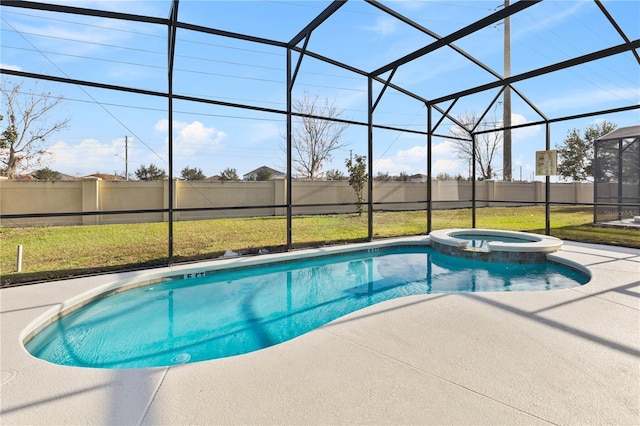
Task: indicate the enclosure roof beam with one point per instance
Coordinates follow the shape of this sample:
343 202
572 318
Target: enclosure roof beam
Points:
126 89
528 102
359 72
66 80
446 41
83 11
568 118
131 17
222 33
302 52
400 89
616 26
544 70
330 61
384 89
419 27
196 28
427 31
318 20
486 111
173 17
445 114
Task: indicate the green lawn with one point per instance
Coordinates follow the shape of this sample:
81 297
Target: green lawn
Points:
62 251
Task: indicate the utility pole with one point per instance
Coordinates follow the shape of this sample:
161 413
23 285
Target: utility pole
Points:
506 105
126 157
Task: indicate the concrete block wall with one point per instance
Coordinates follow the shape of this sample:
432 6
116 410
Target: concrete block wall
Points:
93 194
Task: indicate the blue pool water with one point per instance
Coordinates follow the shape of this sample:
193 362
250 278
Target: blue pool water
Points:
482 240
238 311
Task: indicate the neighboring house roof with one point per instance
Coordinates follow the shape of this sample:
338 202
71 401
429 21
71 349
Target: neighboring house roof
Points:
418 178
106 177
23 177
64 177
275 174
30 176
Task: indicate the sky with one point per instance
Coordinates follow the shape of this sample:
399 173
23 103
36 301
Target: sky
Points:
213 137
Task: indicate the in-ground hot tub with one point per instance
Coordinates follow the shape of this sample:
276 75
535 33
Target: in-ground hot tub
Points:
494 245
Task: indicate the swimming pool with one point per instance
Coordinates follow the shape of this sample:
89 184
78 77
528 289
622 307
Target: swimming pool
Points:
215 314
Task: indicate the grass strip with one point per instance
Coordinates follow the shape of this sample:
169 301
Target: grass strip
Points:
63 251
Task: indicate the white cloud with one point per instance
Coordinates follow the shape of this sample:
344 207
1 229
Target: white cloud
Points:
418 153
192 142
524 132
195 138
88 156
192 138
11 67
383 26
445 160
414 160
412 155
584 100
443 147
446 165
162 125
391 166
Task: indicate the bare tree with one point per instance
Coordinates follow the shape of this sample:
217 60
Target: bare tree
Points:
22 144
487 144
315 139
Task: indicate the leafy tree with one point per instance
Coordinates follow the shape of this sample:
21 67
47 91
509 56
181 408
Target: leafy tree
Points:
335 174
358 177
487 144
314 139
23 139
264 174
194 173
403 177
47 174
575 156
229 174
150 173
447 176
383 177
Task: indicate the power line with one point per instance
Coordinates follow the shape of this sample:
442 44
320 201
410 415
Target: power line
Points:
574 49
234 76
85 92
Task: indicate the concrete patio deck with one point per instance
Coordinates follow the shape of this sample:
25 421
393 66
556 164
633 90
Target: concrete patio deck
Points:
559 357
